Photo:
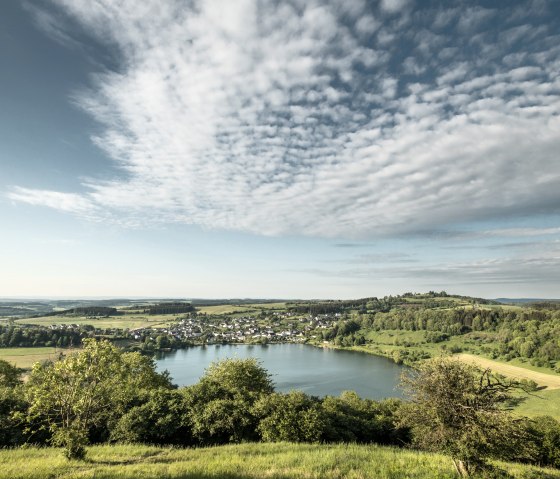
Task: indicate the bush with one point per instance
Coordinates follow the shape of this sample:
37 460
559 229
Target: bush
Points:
294 417
161 419
220 404
546 436
11 428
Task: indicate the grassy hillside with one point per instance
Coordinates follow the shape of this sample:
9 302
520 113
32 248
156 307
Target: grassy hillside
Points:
246 461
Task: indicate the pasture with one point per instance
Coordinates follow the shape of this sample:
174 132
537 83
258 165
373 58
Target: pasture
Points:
128 321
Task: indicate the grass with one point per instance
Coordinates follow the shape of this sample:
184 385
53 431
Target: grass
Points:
541 403
550 381
26 357
225 309
387 341
245 461
129 321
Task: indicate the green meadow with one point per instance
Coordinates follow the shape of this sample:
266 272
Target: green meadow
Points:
244 461
26 357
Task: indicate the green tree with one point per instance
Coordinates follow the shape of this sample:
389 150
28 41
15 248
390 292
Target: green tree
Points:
353 419
220 404
461 410
9 374
12 407
86 390
546 434
294 417
160 419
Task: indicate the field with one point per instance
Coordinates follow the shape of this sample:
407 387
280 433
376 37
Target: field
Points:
26 357
224 309
244 308
245 461
542 379
541 403
128 321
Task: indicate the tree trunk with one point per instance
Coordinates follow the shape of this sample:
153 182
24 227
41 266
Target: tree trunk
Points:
461 467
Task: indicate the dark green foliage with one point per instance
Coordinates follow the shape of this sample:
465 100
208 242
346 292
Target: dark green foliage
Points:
9 374
160 419
32 336
294 417
92 311
350 418
435 337
12 409
220 405
545 432
363 305
170 308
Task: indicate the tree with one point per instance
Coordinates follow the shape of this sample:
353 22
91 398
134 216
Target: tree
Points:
461 410
353 419
9 375
87 390
546 434
160 419
294 417
220 404
12 405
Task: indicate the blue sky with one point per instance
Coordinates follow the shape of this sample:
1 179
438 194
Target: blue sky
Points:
257 148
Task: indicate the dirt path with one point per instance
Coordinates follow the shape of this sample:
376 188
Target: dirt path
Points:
542 379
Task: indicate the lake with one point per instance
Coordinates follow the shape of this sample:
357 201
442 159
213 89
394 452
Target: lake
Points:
316 371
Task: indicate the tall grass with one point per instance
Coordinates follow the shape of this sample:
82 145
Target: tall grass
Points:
245 461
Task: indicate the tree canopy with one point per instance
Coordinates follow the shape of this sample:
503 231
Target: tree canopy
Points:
461 410
85 390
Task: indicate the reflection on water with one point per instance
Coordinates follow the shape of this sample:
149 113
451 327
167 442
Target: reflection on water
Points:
313 370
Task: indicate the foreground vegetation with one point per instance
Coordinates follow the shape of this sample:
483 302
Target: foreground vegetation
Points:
101 395
242 461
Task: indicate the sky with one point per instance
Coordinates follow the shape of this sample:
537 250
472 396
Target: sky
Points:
279 149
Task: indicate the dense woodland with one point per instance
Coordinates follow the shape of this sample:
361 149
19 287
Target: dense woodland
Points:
12 336
170 308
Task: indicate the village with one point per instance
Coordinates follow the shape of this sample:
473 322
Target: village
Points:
210 329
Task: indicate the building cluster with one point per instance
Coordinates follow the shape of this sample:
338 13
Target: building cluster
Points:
276 327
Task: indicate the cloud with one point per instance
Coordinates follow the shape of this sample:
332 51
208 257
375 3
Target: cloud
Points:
527 267
67 202
393 6
299 118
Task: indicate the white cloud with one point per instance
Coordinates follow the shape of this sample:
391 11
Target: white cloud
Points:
67 202
393 6
279 118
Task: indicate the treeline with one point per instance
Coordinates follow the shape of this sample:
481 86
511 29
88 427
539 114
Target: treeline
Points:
432 299
34 336
169 308
363 305
24 336
121 398
86 311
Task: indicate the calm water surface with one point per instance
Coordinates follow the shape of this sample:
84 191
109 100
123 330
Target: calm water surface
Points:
313 370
